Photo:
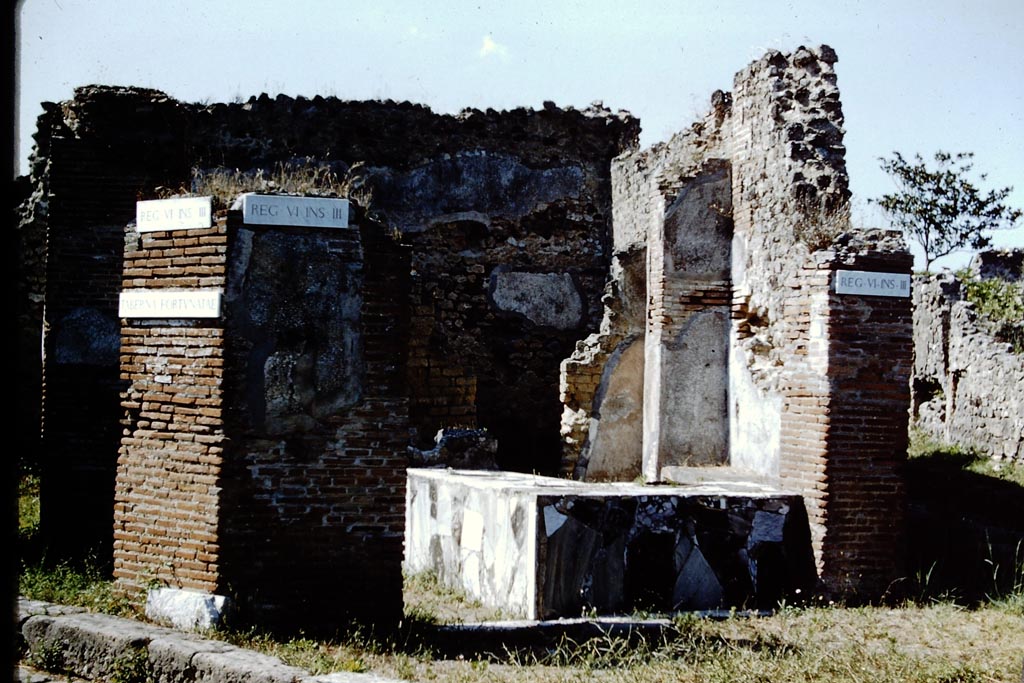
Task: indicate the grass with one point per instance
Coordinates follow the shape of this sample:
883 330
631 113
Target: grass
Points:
966 532
934 643
28 506
428 600
926 451
299 177
931 639
78 584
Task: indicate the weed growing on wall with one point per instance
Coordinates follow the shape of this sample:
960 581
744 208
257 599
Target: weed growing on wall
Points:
28 507
819 226
307 177
999 301
80 586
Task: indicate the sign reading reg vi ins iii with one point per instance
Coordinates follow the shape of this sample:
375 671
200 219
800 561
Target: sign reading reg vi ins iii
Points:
868 283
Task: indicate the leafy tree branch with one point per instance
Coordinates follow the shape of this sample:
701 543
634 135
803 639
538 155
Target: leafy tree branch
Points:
940 208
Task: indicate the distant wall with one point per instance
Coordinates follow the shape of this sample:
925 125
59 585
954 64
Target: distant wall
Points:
968 387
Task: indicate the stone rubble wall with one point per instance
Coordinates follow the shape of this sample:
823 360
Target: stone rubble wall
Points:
968 387
789 181
801 379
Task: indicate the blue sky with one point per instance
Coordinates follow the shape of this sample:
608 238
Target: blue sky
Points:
915 75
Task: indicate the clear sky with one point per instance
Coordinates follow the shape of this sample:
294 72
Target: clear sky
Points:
915 75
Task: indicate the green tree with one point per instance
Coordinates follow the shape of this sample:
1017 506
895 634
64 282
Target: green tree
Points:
940 208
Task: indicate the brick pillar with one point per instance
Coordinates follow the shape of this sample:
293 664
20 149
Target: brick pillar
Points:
169 476
870 357
264 456
689 295
846 398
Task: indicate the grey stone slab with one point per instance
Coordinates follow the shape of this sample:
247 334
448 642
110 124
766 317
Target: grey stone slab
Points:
768 527
243 666
567 564
348 677
172 655
91 643
697 586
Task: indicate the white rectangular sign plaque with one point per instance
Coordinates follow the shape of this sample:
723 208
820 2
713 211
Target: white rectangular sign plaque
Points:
173 214
165 303
872 284
313 212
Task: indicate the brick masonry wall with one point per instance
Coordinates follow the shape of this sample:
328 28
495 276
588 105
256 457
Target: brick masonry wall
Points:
640 180
313 502
812 401
169 476
688 298
870 356
967 384
81 384
844 419
832 370
91 163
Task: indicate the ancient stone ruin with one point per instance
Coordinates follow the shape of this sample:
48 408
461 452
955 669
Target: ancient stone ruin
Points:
237 398
968 384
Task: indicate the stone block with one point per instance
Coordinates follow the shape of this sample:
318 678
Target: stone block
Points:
184 609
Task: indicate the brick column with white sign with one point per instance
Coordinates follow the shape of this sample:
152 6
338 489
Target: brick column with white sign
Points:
167 497
846 394
267 418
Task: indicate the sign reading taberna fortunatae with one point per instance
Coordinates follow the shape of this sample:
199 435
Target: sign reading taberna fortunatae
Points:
311 212
169 303
865 283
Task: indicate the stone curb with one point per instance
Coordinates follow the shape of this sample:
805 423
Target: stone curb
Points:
93 645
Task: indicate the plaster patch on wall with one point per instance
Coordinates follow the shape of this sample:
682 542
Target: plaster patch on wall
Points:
471 181
472 531
755 418
545 299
